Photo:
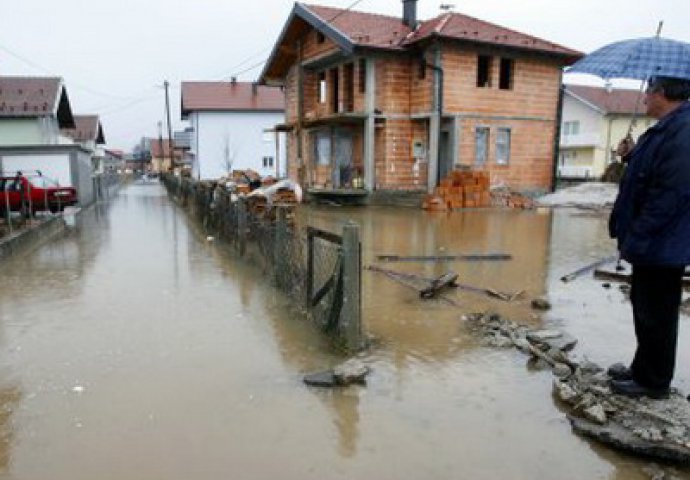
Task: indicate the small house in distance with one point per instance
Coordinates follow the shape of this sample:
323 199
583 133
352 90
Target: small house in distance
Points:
395 104
594 121
232 128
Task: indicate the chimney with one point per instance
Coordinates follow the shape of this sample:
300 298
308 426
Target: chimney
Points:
233 80
410 13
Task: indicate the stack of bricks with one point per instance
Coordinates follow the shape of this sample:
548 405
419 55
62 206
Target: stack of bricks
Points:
461 189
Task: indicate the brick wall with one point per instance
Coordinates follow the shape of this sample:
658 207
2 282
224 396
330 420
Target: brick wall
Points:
529 166
528 109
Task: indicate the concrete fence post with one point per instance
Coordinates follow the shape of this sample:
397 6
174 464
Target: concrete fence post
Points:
351 315
241 226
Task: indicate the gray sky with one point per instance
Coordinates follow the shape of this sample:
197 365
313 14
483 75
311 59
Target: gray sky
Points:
114 55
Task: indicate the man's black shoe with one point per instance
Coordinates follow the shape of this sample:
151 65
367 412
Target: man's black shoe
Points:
630 388
618 371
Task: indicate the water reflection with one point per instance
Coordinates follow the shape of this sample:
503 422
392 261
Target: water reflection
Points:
428 331
10 396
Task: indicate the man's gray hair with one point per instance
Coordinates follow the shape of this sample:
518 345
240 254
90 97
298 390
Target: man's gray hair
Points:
671 88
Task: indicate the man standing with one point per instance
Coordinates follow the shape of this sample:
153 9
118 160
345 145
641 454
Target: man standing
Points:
651 221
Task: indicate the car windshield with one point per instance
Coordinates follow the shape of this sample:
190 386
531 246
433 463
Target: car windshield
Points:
43 182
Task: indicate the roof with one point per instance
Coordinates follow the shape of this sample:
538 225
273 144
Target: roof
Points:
87 128
155 146
609 101
463 27
230 96
31 97
352 30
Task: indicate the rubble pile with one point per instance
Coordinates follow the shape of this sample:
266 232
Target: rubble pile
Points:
655 428
502 196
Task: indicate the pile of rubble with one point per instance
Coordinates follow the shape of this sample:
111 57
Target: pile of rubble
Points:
654 428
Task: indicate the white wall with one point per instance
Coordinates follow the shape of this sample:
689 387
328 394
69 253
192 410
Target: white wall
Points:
574 110
55 166
237 136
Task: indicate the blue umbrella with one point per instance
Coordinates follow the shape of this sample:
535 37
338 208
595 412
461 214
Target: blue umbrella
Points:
637 59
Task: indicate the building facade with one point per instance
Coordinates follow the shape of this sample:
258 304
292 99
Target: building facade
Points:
594 121
232 128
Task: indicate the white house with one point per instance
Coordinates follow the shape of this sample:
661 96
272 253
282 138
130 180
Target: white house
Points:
88 132
594 121
33 110
232 128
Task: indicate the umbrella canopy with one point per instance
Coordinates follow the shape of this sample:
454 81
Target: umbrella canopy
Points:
637 59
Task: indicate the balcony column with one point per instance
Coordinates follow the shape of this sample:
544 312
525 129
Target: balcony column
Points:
370 126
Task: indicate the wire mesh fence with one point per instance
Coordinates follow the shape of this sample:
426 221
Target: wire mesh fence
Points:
305 263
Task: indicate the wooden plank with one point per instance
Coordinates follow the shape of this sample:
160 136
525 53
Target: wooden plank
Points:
445 258
625 276
588 268
407 277
447 280
331 237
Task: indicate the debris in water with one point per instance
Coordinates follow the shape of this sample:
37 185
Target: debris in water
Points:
541 304
347 373
588 268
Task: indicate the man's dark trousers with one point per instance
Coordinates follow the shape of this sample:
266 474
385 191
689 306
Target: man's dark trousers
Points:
656 295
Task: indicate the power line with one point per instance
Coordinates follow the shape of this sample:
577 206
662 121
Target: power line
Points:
327 22
49 72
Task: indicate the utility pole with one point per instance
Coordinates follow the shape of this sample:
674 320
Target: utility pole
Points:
160 146
170 137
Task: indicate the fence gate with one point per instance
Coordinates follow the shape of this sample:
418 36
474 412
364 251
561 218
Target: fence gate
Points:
333 281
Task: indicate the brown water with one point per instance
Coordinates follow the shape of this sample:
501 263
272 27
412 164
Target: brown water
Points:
132 348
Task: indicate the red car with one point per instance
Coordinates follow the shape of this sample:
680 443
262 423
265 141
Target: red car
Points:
37 193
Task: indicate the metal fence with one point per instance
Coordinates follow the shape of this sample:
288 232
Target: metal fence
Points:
319 270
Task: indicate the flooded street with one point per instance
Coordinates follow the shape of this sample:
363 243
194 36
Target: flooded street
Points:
133 348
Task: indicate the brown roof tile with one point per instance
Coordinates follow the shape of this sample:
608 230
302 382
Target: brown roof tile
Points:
381 31
230 96
364 29
87 128
610 101
464 27
28 96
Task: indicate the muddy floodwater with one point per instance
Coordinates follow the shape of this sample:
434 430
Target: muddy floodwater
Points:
131 347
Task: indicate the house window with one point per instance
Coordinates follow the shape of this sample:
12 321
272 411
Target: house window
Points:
320 38
421 73
322 87
323 148
571 128
481 145
484 71
505 81
503 146
362 75
268 162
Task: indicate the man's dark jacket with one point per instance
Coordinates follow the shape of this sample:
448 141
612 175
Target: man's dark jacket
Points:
651 216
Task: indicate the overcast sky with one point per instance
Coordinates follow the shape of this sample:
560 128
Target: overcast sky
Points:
114 55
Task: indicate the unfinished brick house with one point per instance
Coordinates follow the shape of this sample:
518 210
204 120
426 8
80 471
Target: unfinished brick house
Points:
393 104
